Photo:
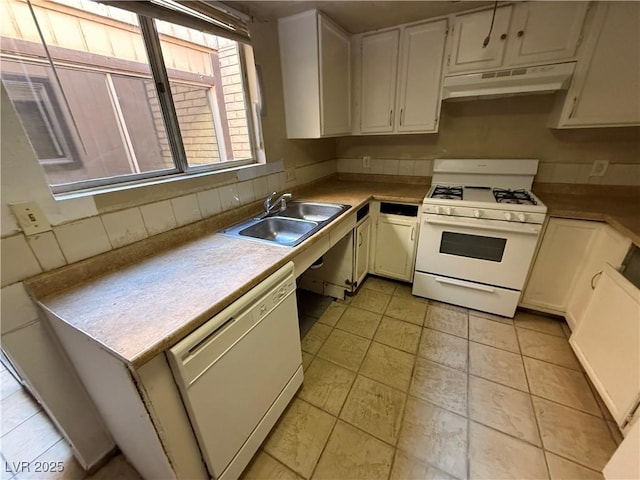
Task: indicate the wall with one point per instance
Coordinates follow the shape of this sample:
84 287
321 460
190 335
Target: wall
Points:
514 127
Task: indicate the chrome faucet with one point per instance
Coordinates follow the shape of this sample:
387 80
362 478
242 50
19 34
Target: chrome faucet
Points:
270 204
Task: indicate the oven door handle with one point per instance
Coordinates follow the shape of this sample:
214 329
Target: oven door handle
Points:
498 228
460 283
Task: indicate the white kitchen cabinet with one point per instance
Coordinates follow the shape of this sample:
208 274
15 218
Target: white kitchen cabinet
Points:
564 247
379 71
394 251
527 33
469 30
401 72
315 56
361 249
605 90
543 32
625 462
609 247
607 343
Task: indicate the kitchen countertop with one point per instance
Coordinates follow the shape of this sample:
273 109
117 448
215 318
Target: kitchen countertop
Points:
145 307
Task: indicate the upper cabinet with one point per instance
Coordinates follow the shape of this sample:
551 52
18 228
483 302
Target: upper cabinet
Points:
527 33
605 91
400 73
315 56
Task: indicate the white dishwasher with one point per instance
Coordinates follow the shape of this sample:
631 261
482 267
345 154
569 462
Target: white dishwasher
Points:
239 371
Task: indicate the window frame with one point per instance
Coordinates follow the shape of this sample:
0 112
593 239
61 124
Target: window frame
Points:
182 169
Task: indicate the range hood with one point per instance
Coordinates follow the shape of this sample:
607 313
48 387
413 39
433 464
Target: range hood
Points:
514 81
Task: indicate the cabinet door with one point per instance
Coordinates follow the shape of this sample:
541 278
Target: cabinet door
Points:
363 233
395 247
379 68
609 247
606 86
545 32
420 76
335 78
469 31
556 266
607 342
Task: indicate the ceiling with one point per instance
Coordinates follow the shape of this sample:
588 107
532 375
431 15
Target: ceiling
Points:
358 16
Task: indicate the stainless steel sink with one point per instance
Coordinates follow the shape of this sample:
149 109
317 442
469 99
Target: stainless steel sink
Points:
288 227
314 211
285 231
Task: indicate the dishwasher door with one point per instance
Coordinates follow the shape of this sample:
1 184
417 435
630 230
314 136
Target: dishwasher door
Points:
238 372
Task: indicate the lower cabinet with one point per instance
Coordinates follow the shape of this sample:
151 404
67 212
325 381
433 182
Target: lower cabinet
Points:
362 241
607 343
396 239
564 247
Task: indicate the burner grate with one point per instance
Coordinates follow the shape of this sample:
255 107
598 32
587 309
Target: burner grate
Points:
521 197
447 192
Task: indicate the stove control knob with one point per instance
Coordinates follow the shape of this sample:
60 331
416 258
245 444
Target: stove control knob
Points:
522 217
477 213
508 216
437 210
448 210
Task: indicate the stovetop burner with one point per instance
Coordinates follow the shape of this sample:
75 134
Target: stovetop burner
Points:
447 192
521 197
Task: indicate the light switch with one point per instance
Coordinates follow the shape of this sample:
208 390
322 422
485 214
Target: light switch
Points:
30 218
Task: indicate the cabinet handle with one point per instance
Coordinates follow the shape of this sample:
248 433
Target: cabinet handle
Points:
360 239
593 279
413 231
520 33
401 116
573 107
503 36
390 115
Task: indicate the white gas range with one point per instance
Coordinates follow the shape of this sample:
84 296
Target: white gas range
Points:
480 227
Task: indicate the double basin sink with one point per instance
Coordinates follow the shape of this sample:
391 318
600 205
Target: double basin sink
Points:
290 226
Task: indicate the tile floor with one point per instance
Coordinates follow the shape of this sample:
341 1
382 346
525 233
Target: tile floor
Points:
29 436
397 387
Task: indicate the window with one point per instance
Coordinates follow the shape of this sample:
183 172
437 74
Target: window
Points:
108 95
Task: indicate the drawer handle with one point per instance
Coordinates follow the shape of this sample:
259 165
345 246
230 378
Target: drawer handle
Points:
460 283
594 278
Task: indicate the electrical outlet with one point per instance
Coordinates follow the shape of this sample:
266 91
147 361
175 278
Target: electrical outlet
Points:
366 162
290 175
599 168
30 218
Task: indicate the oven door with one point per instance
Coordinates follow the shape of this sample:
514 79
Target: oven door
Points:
492 252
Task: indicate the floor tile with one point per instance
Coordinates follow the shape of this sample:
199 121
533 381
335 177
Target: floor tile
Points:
539 323
118 468
497 365
443 348
495 334
8 385
380 285
404 290
299 437
547 347
307 358
375 408
444 386
407 309
360 322
314 339
616 434
352 454
560 384
265 467
389 366
332 314
408 467
447 320
574 435
305 323
562 469
396 333
60 456
311 303
371 300
491 316
494 455
16 408
345 349
449 306
436 436
503 408
30 439
326 385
